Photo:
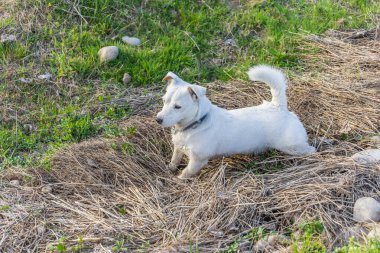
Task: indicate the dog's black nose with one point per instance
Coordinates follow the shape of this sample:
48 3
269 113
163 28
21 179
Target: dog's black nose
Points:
159 120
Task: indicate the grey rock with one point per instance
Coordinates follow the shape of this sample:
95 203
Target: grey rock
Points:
367 209
367 157
46 76
26 80
230 42
132 41
7 38
47 189
126 78
376 140
107 54
14 182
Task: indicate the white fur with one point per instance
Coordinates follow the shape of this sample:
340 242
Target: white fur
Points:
227 132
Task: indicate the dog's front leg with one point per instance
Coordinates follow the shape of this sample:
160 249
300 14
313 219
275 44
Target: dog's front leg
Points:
194 166
176 159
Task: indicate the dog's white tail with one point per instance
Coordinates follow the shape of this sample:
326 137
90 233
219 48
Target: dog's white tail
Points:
275 79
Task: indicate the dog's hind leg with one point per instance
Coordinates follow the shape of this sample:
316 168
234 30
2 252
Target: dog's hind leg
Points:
193 168
176 159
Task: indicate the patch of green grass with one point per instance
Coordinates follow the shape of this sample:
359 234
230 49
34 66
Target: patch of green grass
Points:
62 246
310 239
185 36
369 246
119 246
12 51
26 144
4 208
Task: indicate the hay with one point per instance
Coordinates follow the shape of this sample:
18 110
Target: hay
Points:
106 189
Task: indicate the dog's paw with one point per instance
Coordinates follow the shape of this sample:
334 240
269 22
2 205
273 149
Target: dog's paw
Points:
172 167
184 176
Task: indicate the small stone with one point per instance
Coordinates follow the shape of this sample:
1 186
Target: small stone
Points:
46 76
131 41
47 189
126 78
7 38
109 53
367 209
218 234
14 182
26 80
375 232
230 42
367 157
28 127
220 194
376 140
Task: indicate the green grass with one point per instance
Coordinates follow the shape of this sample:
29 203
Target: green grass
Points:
181 36
369 246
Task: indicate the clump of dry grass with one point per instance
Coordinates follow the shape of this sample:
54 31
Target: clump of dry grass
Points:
105 189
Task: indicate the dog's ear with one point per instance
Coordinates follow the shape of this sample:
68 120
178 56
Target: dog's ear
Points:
170 77
196 91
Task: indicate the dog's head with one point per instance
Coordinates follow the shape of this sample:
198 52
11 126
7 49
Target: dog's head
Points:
182 102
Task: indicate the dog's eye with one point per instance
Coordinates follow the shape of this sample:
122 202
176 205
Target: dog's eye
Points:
177 107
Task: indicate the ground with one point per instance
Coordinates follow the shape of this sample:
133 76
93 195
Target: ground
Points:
84 164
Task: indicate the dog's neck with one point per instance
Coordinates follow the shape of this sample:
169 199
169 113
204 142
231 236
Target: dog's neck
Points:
204 108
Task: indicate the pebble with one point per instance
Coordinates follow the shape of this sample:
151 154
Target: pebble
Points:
107 54
376 140
46 76
26 80
218 234
47 189
132 41
367 209
126 78
367 157
230 42
14 182
7 38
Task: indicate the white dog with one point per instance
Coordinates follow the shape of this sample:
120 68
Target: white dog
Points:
202 130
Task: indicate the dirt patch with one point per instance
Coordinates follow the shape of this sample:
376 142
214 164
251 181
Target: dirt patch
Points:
107 189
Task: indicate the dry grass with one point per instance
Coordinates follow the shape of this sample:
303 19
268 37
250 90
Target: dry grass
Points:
106 189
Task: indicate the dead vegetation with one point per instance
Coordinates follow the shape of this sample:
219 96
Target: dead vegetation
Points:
107 189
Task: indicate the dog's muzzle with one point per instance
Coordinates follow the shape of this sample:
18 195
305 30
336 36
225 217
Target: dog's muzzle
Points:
159 120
